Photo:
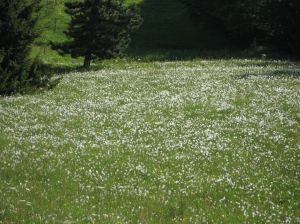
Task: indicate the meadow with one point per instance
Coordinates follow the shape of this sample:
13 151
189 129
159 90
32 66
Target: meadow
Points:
195 141
181 130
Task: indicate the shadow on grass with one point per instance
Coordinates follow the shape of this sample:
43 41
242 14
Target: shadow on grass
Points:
152 55
59 69
276 73
64 65
261 55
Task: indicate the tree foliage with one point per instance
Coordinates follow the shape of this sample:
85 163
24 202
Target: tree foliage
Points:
20 73
272 22
99 29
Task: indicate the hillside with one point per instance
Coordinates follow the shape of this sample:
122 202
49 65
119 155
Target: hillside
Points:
166 26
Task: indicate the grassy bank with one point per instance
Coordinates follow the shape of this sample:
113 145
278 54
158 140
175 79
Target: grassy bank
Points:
202 141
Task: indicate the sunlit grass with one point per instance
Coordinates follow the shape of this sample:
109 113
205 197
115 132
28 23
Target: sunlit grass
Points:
202 141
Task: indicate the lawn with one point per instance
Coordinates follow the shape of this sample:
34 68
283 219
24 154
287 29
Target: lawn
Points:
199 141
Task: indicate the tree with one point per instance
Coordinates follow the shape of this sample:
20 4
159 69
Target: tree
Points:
284 22
235 18
272 22
19 28
99 29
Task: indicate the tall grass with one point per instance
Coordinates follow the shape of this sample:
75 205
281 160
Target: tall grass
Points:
201 141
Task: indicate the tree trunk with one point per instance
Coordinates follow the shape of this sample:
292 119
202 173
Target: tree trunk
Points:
87 61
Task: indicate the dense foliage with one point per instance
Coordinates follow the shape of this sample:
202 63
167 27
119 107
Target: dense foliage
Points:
272 22
99 29
19 73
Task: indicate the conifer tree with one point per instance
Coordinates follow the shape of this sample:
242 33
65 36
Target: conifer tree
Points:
99 29
20 73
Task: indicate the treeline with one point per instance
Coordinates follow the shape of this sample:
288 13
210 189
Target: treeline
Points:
270 22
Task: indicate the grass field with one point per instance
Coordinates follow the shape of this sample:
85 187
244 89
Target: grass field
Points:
172 133
200 141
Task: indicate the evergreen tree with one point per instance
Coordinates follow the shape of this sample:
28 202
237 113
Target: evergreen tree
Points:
99 29
18 29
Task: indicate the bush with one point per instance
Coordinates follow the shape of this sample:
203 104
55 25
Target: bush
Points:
19 73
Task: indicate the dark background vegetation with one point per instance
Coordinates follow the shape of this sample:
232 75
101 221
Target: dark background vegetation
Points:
271 22
167 25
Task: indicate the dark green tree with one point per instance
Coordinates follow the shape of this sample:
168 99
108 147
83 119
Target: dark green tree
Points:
99 29
272 22
283 24
235 18
19 28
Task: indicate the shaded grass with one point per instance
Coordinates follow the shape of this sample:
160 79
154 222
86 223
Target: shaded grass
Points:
142 57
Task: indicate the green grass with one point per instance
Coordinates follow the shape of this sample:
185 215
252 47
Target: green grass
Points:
172 133
199 141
